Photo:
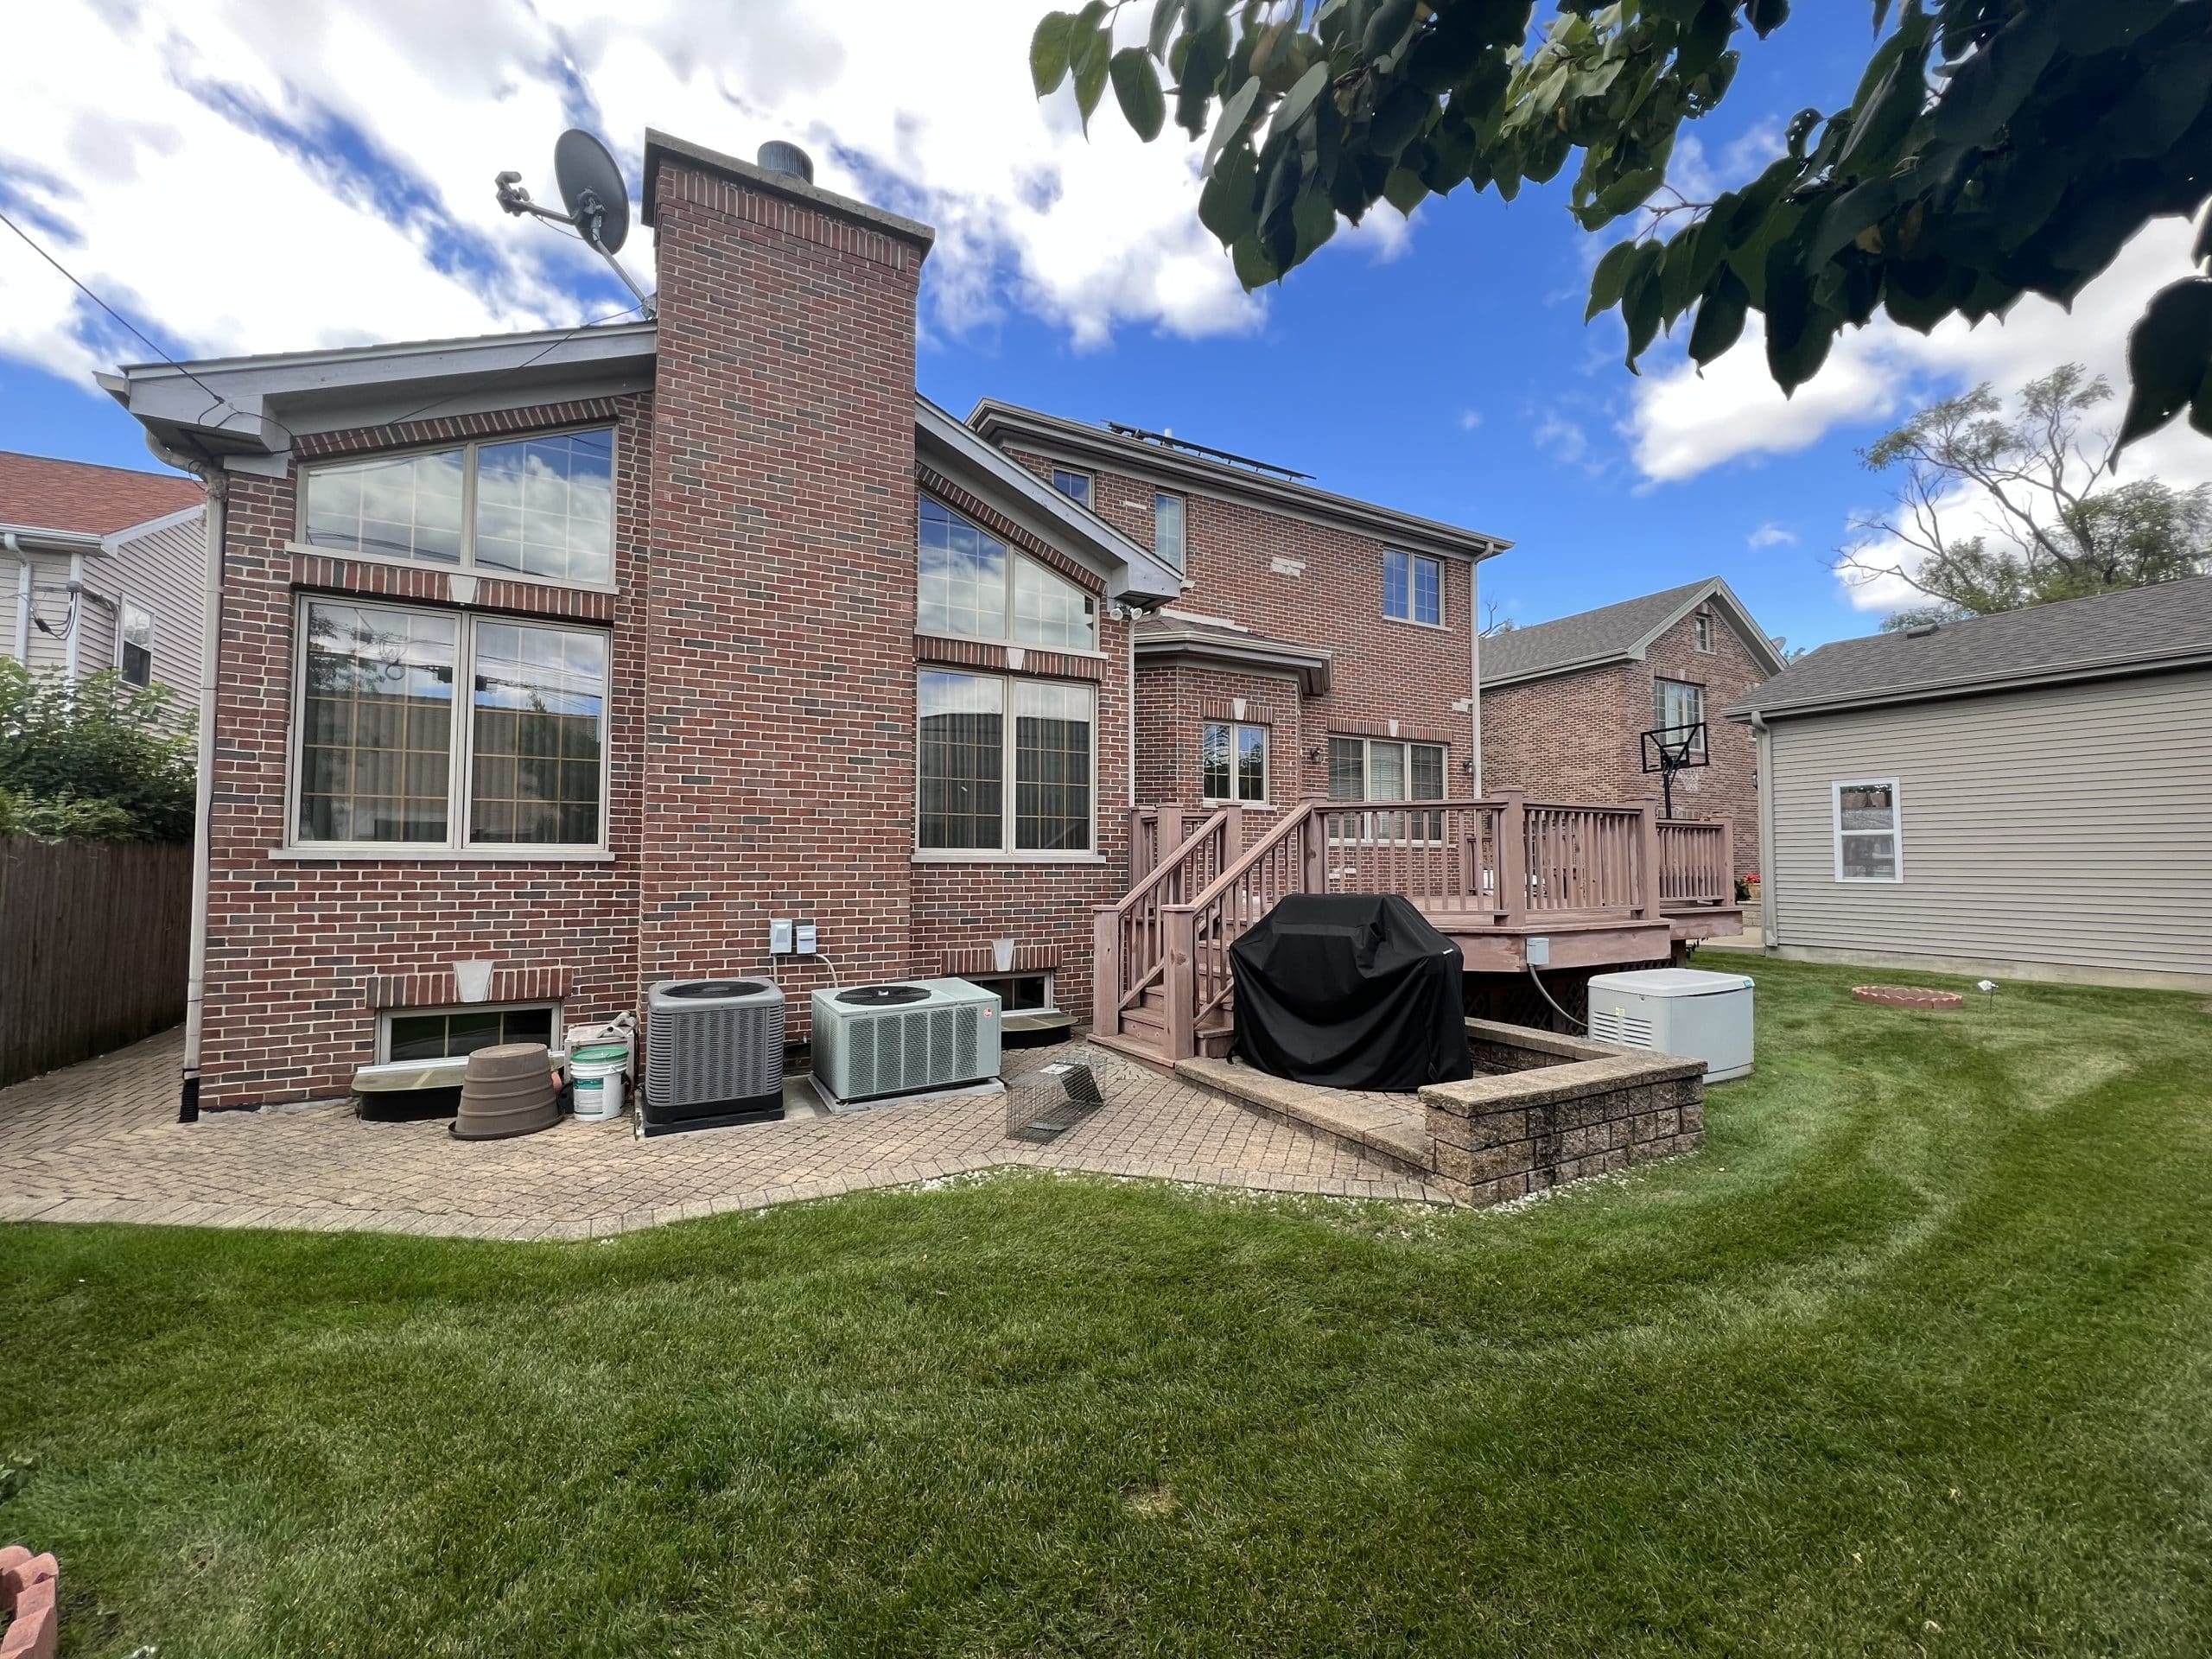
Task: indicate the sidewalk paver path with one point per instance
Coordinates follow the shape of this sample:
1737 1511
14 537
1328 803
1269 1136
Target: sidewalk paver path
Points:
100 1141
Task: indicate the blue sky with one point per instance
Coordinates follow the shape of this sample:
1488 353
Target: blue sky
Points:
1442 366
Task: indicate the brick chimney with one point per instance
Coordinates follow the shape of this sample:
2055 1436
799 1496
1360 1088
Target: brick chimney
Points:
778 618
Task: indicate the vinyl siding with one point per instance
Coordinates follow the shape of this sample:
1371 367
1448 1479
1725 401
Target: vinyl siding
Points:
2071 825
163 570
49 605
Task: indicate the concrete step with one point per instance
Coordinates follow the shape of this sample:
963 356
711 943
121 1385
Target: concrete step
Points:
1385 1127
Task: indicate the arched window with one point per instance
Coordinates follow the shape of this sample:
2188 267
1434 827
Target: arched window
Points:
972 586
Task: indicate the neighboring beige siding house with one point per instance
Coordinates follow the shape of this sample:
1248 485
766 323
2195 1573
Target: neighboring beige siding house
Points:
101 568
2029 793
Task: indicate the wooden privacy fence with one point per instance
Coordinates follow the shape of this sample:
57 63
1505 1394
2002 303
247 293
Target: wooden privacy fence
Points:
94 943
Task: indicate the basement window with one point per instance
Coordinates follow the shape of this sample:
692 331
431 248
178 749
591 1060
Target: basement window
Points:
1018 993
443 1033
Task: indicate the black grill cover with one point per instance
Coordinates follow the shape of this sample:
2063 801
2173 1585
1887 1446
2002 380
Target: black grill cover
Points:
1350 991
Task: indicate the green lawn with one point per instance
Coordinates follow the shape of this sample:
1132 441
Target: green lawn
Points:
1916 1356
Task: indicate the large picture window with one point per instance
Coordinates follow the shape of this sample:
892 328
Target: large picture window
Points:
541 507
970 749
1233 762
971 585
1869 832
1413 588
1676 706
1370 769
383 755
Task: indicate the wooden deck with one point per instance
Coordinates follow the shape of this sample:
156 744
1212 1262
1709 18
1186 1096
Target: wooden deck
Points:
1601 884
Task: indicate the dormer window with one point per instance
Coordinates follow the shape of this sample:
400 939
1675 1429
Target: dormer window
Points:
974 587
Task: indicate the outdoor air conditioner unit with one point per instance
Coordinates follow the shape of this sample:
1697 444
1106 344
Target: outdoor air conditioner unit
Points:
874 1040
714 1054
1680 1011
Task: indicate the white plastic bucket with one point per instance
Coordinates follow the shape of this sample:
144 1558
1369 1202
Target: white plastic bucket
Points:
596 1069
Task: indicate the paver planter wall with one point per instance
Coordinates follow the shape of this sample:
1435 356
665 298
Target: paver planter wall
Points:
1547 1108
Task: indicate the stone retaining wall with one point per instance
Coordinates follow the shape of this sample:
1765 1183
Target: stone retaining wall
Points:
1504 1134
28 1584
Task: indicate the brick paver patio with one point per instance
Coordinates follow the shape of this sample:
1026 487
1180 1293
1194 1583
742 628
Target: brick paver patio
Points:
99 1142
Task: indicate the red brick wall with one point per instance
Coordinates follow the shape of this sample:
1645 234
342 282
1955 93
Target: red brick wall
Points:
779 747
1383 670
298 950
1175 702
1577 737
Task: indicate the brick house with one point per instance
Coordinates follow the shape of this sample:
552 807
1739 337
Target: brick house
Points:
747 629
1564 704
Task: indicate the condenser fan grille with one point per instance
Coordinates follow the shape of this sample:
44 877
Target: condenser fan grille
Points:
881 996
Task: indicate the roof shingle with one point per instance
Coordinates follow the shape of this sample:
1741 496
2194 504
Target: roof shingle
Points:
42 492
1585 637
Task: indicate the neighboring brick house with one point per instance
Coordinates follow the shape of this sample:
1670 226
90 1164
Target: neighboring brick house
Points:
1564 704
102 569
747 630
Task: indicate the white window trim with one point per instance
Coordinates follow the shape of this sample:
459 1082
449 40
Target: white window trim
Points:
1014 558
1895 831
1658 721
459 809
1006 855
122 609
467 565
384 1017
1181 564
1367 767
1267 763
1443 623
1701 632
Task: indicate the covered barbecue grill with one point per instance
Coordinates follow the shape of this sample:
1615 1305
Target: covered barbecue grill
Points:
1350 991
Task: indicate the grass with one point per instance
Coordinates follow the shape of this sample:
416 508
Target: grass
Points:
1915 1357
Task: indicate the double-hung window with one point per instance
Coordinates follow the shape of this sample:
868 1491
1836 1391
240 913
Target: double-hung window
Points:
1006 765
1413 587
541 508
1678 711
389 755
1233 762
972 586
1167 530
1869 831
133 645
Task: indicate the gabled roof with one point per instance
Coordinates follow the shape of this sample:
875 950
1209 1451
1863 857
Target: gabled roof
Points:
2138 630
1177 636
1057 435
1616 633
77 499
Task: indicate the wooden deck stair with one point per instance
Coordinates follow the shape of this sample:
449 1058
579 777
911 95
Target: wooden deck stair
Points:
1601 884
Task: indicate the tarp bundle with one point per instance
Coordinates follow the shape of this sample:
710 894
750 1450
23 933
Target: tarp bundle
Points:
1350 991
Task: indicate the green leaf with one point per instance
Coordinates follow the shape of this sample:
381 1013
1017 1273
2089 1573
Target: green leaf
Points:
1387 28
1254 266
1048 51
1226 206
1300 98
1765 15
2200 409
1236 115
1610 276
1404 191
1164 15
1136 87
2169 352
1719 322
1091 60
1640 300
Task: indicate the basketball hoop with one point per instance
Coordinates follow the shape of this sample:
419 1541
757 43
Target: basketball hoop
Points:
1670 749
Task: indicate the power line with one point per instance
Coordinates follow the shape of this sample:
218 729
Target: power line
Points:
505 375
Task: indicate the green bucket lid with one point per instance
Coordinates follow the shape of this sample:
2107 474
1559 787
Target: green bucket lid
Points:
601 1053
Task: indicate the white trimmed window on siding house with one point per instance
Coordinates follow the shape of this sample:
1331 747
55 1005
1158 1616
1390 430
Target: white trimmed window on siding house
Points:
1233 763
133 645
541 509
970 750
1869 830
972 586
1413 587
382 753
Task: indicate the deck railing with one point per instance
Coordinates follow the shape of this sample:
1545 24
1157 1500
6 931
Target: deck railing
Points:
1697 862
1128 940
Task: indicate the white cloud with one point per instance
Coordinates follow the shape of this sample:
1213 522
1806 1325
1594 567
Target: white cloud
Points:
1562 439
1772 535
1469 419
252 175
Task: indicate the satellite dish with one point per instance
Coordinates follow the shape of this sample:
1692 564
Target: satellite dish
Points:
592 190
596 201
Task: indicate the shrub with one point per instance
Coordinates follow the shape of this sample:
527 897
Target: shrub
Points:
100 759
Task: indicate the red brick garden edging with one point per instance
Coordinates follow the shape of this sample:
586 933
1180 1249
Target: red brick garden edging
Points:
28 1584
1908 996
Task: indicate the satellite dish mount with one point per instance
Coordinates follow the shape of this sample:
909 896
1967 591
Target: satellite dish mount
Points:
1670 749
595 202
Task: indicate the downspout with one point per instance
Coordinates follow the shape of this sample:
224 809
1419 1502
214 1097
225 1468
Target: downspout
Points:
23 598
1475 672
210 638
1763 756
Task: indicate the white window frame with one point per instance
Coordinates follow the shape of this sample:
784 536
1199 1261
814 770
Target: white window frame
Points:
1266 762
1895 831
460 807
123 613
1703 631
385 1016
1014 559
1658 708
1008 788
1413 561
1089 500
466 564
1180 563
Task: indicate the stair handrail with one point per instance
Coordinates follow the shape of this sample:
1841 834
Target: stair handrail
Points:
1115 987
